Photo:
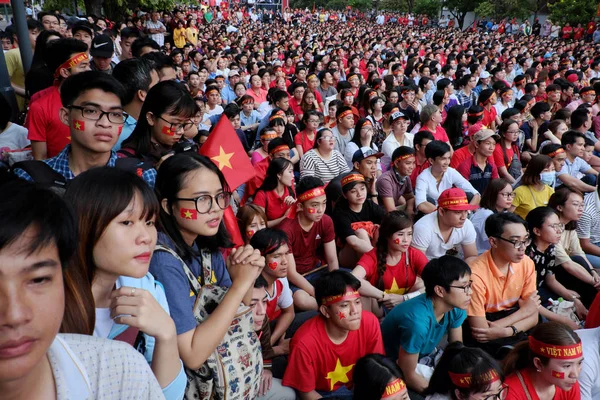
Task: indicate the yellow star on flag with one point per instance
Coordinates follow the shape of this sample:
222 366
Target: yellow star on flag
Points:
223 159
394 289
188 214
77 126
339 374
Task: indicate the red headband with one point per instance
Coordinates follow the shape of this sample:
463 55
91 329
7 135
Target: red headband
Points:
282 147
466 380
311 194
556 152
248 101
476 114
395 386
569 352
71 62
344 114
268 136
372 94
352 178
404 157
350 294
275 116
587 91
367 123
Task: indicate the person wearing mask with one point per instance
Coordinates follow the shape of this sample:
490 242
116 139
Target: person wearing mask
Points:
536 186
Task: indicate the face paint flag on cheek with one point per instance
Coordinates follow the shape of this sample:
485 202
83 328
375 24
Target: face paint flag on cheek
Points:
558 375
167 131
120 130
341 315
250 234
397 240
312 210
79 125
273 265
188 213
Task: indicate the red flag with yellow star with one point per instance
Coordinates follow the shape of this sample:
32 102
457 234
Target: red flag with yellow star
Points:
224 148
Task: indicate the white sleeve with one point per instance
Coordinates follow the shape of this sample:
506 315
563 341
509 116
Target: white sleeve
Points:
421 236
285 300
420 190
469 235
459 181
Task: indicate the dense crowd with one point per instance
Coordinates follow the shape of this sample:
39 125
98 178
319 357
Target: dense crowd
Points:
233 202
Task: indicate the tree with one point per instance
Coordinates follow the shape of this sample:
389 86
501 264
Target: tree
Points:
573 11
427 7
395 5
460 8
114 10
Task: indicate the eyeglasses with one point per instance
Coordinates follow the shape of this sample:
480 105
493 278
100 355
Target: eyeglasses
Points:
330 138
176 126
578 205
95 114
465 288
557 227
204 202
512 132
507 195
501 395
313 121
519 244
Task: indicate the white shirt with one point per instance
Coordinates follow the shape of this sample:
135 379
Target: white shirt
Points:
427 188
588 378
157 37
428 239
390 144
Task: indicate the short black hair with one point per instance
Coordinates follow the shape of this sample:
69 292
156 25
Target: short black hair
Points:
134 74
442 272
127 33
334 283
60 50
231 110
570 137
495 223
420 136
268 240
539 108
436 148
578 118
307 183
141 42
75 85
402 151
260 282
32 207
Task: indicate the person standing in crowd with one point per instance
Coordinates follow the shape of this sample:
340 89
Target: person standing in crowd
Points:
102 51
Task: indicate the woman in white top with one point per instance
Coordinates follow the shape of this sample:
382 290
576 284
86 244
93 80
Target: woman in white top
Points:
496 198
506 100
323 161
363 137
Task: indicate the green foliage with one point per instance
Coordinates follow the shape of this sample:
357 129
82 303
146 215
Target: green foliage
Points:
395 5
361 4
485 9
428 7
573 11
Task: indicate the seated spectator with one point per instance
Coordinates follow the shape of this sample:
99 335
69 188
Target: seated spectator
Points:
276 195
413 331
167 110
552 358
270 386
277 149
466 373
38 240
323 161
497 198
344 128
87 96
356 219
311 238
365 161
507 156
558 155
420 142
251 219
305 139
545 231
573 269
444 230
588 228
574 143
12 136
504 302
377 377
394 186
397 137
391 273
431 120
262 152
535 186
478 169
364 135
326 348
249 117
439 177
102 199
588 377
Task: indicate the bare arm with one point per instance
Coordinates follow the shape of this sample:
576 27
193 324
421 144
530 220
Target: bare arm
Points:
470 251
359 245
299 150
297 279
426 207
366 289
312 395
388 204
576 183
503 172
455 335
331 255
578 272
408 364
283 323
589 247
475 200
39 150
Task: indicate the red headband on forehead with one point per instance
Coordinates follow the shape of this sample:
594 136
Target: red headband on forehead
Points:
311 194
71 62
350 294
569 352
268 136
395 386
476 114
352 178
556 152
592 91
466 380
280 148
345 114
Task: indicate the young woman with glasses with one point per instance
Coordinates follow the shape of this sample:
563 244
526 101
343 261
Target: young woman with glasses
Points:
506 155
323 160
545 230
193 195
496 198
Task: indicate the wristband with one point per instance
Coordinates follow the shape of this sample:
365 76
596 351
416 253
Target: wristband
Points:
515 330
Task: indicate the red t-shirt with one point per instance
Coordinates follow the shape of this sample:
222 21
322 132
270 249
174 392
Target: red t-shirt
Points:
499 156
439 134
273 204
273 312
295 106
307 246
260 169
43 121
459 156
489 116
516 391
417 171
301 139
399 278
566 32
316 363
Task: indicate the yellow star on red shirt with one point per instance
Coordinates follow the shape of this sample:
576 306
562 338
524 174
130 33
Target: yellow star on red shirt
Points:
223 159
339 374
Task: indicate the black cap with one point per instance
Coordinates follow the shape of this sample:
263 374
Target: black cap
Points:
82 26
102 46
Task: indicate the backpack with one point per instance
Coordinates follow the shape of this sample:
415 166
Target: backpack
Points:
43 174
234 370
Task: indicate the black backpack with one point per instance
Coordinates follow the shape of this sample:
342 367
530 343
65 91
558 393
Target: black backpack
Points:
42 174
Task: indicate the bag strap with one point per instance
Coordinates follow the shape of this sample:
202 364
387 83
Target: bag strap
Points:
190 275
524 385
41 173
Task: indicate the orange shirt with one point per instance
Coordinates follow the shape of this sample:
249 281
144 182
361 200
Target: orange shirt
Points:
493 291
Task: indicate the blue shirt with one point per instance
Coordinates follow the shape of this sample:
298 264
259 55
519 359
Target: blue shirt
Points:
228 94
60 164
128 128
169 271
412 326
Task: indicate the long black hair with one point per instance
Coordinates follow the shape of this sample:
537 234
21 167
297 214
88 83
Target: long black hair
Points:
276 167
169 182
372 374
165 97
454 125
393 222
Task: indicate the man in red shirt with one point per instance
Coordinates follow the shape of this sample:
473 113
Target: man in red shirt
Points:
311 238
47 133
326 348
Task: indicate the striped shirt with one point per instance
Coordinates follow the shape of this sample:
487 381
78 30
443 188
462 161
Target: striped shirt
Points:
313 165
588 226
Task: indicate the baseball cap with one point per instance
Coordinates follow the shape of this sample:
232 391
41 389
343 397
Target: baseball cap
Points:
233 72
102 46
484 75
484 134
397 115
455 199
82 26
365 152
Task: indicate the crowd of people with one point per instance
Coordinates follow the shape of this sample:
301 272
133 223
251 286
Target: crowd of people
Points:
421 218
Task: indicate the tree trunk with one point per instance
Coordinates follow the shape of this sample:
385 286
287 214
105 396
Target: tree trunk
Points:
410 4
93 7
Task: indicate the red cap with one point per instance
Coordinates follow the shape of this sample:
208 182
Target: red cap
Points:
455 199
572 78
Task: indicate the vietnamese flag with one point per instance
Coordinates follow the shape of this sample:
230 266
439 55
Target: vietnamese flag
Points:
166 130
188 213
559 375
224 148
79 125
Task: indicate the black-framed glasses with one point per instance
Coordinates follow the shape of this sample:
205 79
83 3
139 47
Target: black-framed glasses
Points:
507 195
557 227
96 114
519 244
501 395
465 288
177 126
204 202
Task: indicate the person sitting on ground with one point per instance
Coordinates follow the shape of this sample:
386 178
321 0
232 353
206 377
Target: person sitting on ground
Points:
377 377
394 187
480 169
276 195
413 331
